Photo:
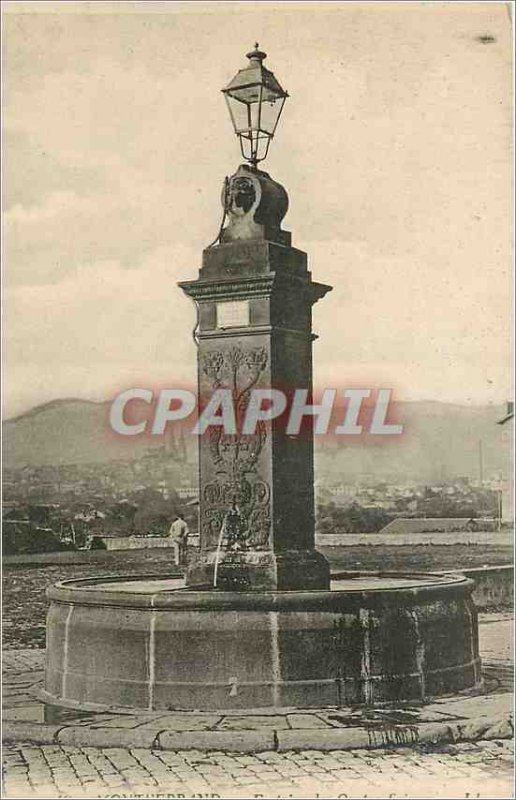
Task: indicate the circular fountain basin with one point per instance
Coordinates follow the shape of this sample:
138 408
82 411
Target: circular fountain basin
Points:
151 643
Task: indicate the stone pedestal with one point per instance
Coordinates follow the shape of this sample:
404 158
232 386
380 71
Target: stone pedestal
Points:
255 295
260 570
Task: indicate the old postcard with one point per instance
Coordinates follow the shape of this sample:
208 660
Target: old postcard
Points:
258 417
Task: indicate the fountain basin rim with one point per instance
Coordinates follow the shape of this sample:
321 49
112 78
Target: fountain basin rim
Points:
427 587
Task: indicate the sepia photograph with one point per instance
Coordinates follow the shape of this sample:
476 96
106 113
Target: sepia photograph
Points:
257 399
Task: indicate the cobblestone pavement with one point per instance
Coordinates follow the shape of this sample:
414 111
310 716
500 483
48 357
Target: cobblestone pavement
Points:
479 770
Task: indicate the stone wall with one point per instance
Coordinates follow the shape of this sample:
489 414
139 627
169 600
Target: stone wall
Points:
494 586
136 542
486 538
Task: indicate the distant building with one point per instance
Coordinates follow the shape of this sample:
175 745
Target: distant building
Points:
186 492
438 525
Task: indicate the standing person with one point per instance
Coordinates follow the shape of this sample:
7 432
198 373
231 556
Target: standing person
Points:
179 534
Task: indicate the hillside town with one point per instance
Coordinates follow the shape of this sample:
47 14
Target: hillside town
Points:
70 506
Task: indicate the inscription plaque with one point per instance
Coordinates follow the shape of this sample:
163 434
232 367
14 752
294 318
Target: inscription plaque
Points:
233 314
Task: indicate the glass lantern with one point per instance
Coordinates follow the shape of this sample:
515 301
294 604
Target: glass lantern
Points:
255 101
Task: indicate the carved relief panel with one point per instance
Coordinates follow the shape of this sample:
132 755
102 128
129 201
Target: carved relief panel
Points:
235 492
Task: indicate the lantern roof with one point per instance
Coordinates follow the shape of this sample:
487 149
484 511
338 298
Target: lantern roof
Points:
242 87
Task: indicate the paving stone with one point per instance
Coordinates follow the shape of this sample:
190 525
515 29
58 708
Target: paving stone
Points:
328 739
235 741
480 706
253 722
102 737
114 780
184 722
269 757
45 789
260 769
19 769
199 786
194 754
27 731
15 701
184 775
17 788
132 769
245 759
295 756
170 758
98 760
146 757
117 755
118 721
306 721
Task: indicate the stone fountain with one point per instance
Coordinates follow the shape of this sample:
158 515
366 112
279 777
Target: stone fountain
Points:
257 622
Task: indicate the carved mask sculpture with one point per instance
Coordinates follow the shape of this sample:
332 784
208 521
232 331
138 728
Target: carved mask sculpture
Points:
242 195
254 205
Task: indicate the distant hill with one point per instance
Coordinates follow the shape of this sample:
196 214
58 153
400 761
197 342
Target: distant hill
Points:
71 432
441 441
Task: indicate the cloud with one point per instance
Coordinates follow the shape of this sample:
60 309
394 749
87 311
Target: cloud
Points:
394 147
446 338
103 327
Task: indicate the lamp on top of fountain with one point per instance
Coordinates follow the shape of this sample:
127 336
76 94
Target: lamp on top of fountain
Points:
255 100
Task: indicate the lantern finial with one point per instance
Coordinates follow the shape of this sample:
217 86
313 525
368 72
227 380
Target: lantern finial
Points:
255 101
256 54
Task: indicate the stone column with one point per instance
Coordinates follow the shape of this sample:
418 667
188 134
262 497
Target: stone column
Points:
254 295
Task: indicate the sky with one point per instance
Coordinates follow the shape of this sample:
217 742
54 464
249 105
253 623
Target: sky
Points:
395 147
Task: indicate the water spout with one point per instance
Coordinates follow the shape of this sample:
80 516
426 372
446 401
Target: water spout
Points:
231 528
217 552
